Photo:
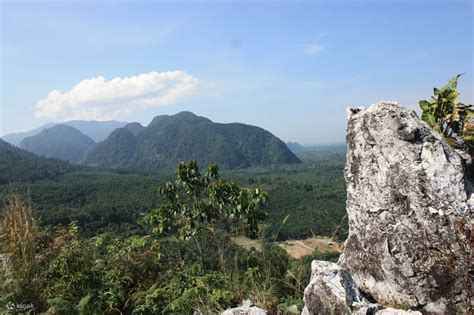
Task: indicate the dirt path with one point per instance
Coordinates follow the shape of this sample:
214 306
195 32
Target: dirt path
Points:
296 248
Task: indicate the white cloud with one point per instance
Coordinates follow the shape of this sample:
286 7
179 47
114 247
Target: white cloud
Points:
99 99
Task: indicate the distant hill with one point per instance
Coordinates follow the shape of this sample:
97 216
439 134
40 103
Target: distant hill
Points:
19 165
61 142
295 147
116 152
96 130
15 138
184 136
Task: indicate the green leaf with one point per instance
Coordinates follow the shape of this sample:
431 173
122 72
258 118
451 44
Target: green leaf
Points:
453 83
428 118
453 95
424 105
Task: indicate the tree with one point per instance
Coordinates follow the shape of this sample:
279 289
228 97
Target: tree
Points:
196 205
453 120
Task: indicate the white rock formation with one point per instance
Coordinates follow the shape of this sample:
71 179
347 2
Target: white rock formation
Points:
247 308
331 290
409 209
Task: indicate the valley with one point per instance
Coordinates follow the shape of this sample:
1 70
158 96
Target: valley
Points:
311 194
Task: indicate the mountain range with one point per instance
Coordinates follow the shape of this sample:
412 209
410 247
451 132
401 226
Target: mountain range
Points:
96 130
184 136
161 145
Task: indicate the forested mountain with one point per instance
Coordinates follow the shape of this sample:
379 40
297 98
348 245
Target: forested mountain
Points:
135 128
185 136
16 138
116 152
60 141
17 165
96 130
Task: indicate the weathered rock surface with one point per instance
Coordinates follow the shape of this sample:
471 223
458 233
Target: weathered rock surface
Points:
410 212
247 308
331 290
392 311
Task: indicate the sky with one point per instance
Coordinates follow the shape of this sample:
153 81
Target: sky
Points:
291 67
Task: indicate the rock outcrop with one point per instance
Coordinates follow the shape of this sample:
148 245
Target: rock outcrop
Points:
331 290
410 207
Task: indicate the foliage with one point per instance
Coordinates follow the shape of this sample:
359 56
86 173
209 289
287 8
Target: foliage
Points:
309 197
453 120
18 241
312 194
18 165
194 202
192 266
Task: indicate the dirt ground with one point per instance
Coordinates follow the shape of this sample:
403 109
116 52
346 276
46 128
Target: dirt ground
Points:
296 248
300 248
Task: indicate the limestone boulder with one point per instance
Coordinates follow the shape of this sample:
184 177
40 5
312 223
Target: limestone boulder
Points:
410 205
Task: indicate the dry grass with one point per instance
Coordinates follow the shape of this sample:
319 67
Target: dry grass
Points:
300 248
18 230
296 248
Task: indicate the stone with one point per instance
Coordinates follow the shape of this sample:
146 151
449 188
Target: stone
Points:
410 206
247 308
392 311
292 309
331 290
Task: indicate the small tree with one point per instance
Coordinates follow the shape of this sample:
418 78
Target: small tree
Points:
197 203
453 120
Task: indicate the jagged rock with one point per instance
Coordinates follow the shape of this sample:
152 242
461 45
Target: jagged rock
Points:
410 212
247 308
331 290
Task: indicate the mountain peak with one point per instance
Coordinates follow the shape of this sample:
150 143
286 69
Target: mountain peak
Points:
185 136
60 141
181 117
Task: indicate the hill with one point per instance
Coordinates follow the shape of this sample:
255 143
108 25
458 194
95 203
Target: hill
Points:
96 130
17 165
60 141
16 138
184 136
295 147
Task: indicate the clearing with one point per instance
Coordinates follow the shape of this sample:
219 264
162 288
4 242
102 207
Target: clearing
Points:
296 248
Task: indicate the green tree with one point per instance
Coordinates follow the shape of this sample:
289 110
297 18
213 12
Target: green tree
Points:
197 205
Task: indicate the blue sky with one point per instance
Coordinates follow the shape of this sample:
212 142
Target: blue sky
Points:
289 67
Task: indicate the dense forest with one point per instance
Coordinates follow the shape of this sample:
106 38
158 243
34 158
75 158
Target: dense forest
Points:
311 194
119 242
85 241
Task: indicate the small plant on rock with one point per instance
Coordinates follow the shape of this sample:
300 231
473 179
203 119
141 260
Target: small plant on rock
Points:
453 120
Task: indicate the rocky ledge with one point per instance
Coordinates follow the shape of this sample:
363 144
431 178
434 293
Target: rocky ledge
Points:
410 206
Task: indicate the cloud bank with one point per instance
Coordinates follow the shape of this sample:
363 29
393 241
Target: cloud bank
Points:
99 99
